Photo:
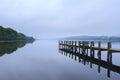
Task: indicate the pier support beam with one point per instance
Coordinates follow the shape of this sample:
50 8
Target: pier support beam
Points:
79 45
92 49
75 49
109 54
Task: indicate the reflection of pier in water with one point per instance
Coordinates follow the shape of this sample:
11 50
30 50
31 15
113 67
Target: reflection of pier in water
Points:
80 50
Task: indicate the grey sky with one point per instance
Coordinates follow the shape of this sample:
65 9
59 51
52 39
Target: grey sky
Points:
54 18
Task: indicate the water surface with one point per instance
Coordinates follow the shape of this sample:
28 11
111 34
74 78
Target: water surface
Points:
42 60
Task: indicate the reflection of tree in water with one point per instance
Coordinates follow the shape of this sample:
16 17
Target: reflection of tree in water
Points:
9 47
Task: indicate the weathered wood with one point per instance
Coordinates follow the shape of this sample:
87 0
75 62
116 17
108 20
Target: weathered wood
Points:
99 45
75 49
79 45
109 46
109 54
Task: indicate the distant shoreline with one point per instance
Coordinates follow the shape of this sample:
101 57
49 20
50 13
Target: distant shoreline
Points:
93 38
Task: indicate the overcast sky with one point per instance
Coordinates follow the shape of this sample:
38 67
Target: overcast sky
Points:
54 18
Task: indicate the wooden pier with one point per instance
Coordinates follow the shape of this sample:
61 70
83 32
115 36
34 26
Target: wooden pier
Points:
81 49
88 45
85 59
84 46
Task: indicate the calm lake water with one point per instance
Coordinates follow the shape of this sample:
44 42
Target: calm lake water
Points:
42 60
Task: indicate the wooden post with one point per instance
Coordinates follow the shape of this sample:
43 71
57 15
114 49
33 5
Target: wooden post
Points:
109 54
91 45
99 50
69 45
75 47
109 46
59 45
87 47
79 46
99 45
99 57
72 46
83 44
65 44
83 47
91 49
109 58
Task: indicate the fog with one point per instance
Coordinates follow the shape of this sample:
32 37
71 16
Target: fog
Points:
57 18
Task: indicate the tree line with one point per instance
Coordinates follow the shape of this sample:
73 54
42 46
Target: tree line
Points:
7 34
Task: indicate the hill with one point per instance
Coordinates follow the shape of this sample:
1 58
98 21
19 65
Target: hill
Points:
8 34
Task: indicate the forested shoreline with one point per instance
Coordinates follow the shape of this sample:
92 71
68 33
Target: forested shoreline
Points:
8 34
